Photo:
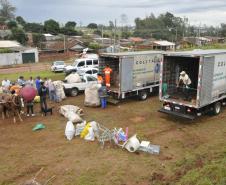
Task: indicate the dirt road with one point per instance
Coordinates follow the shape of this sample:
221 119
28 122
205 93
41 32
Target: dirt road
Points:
25 68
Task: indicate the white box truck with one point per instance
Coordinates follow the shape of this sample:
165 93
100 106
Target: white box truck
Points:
207 91
134 73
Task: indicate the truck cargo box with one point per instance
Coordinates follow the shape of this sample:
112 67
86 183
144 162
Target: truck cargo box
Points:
132 70
207 71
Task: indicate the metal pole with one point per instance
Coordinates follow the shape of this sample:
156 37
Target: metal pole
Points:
115 35
64 43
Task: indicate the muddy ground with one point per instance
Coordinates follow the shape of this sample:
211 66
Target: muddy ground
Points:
184 145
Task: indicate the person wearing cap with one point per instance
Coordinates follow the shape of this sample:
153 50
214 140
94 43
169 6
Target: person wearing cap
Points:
186 82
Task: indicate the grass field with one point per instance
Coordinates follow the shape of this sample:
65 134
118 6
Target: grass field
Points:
192 153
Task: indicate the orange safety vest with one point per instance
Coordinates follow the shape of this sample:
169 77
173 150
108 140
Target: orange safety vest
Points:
99 79
107 72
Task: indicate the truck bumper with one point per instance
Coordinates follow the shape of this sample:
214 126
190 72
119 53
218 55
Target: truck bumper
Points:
177 114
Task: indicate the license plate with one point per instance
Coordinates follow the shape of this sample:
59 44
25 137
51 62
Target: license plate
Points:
178 108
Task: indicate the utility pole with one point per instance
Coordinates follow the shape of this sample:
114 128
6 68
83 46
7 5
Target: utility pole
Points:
102 34
115 35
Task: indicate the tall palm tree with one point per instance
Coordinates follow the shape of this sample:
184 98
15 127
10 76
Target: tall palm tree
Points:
7 10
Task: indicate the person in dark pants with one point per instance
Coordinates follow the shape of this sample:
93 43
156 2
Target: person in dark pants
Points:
43 92
103 95
30 105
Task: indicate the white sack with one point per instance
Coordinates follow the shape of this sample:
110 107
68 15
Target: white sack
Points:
59 90
72 113
73 78
91 96
67 108
69 130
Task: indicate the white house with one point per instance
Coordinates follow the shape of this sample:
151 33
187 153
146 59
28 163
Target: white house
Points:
17 54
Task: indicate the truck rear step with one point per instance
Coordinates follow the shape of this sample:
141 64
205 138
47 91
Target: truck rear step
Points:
181 115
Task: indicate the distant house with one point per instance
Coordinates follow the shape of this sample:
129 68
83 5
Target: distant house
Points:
216 40
136 39
163 45
50 37
197 41
61 46
14 53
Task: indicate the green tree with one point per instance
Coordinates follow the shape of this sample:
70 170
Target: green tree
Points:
34 27
126 34
68 31
70 24
97 32
94 45
38 39
51 26
19 35
223 30
20 20
7 9
92 26
12 24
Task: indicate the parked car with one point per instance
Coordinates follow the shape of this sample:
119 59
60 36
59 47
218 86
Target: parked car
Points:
58 66
81 64
73 89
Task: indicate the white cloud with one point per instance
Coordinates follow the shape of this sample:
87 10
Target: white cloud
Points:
210 12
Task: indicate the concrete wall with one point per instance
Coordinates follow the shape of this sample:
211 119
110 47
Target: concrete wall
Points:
16 58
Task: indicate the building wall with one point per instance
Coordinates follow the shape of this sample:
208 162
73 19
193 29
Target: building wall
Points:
16 58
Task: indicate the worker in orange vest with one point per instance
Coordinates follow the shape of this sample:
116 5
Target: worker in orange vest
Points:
99 78
107 72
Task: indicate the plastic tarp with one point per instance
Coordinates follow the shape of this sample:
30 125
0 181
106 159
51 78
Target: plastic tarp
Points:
73 78
91 96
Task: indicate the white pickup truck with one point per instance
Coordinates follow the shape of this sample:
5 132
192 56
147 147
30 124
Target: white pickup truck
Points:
73 89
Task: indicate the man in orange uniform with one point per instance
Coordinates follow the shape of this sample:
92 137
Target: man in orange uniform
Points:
107 72
99 79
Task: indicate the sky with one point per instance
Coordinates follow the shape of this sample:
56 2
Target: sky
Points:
199 12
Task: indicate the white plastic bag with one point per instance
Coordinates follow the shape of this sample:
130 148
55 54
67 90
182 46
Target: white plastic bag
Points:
79 128
73 78
90 135
69 130
91 96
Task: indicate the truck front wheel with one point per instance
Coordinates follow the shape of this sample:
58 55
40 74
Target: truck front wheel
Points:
217 108
143 95
74 92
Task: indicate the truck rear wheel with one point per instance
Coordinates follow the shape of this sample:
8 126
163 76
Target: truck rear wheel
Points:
74 92
143 95
217 108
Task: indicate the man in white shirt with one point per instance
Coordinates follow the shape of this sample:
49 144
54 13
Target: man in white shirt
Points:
5 85
186 82
184 79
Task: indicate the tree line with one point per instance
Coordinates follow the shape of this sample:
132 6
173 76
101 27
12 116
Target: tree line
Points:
165 26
